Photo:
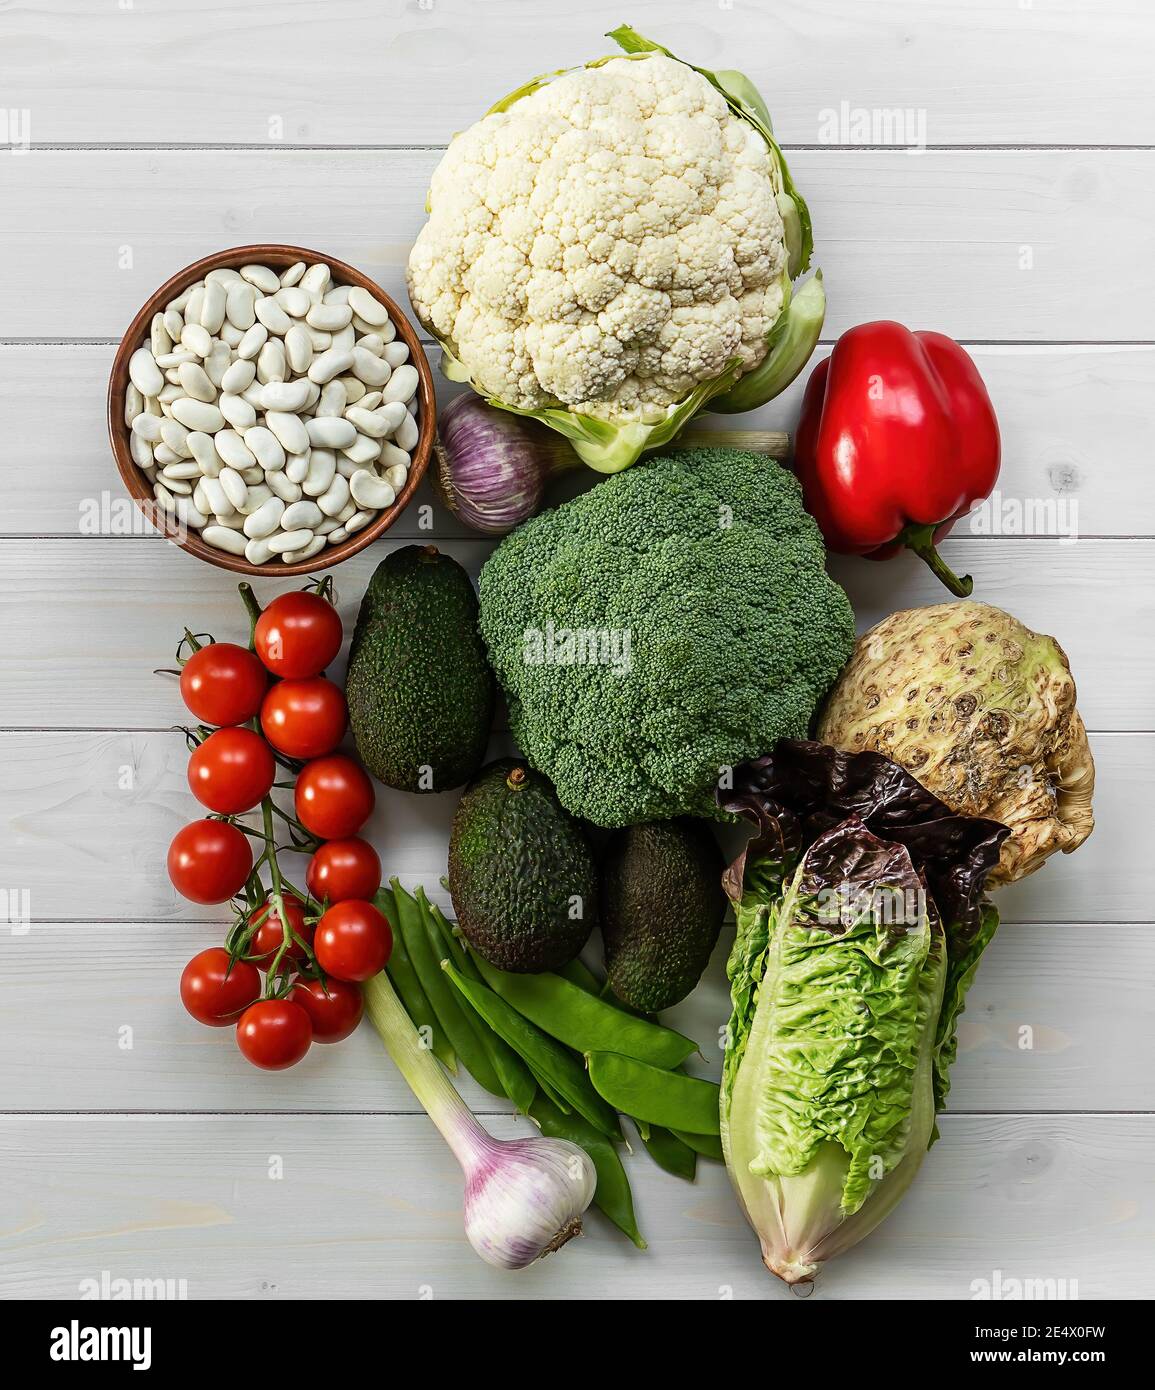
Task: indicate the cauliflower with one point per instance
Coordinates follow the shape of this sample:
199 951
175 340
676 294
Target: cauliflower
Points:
610 249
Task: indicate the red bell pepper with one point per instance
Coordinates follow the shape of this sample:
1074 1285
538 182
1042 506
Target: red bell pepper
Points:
897 440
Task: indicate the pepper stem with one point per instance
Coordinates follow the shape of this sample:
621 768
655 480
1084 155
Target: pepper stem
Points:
920 539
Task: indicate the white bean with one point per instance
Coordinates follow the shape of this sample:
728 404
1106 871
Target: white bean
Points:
322 469
370 491
176 436
234 486
296 466
307 552
290 429
239 376
173 323
345 338
295 302
272 364
335 537
144 373
259 494
265 447
332 362
198 415
393 457
230 334
317 278
217 362
240 304
301 514
372 342
319 339
407 434
363 450
260 275
354 389
225 274
332 501
402 384
233 449
163 455
159 338
257 552
182 472
212 314
284 487
363 304
395 354
370 369
286 395
195 381
224 538
299 348
237 411
188 514
197 339
370 400
203 449
265 520
332 401
282 541
331 432
175 358
293 274
133 403
254 339
396 476
164 497
273 316
357 520
140 451
376 424
147 427
329 317
215 495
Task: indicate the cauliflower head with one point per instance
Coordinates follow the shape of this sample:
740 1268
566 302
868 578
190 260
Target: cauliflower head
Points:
606 246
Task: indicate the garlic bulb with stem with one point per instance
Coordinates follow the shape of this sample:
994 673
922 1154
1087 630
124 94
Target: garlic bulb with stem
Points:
524 1198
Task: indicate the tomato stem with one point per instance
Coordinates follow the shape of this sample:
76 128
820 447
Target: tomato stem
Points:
252 608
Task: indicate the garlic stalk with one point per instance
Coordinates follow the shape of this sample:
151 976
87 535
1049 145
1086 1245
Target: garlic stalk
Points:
523 1197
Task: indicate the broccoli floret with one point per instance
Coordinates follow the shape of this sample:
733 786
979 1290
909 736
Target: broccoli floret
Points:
672 621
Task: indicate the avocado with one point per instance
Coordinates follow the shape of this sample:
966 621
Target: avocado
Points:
521 874
419 688
661 910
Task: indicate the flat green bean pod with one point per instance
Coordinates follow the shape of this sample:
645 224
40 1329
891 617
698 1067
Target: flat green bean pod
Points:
512 1073
669 1152
458 1024
669 1098
612 1196
546 1057
708 1145
583 1021
408 986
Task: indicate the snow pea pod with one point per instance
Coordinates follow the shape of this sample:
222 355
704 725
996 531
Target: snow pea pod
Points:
585 1022
708 1145
547 1057
408 986
511 1071
668 1098
612 1196
670 1152
457 1024
578 973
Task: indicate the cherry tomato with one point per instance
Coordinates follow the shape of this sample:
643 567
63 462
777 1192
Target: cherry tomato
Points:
334 1007
343 869
304 718
334 797
214 987
298 635
208 861
353 940
231 771
266 940
274 1034
223 684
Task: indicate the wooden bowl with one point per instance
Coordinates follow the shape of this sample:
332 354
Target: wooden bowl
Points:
280 258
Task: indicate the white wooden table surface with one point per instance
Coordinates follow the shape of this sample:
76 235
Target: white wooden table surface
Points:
135 1142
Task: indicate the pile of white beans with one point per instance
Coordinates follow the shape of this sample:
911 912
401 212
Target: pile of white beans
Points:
275 414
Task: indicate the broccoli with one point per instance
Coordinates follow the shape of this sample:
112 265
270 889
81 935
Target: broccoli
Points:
671 622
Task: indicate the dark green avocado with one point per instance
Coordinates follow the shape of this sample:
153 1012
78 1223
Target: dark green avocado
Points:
523 880
661 910
420 690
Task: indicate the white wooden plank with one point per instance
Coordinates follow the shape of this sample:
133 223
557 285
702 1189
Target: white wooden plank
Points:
99 809
369 1207
992 75
1076 437
1058 1019
88 620
977 244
